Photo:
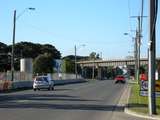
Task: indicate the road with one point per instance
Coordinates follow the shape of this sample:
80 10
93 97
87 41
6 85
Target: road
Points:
93 100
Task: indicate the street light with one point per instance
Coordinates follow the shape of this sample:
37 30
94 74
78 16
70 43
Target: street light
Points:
75 48
13 39
135 55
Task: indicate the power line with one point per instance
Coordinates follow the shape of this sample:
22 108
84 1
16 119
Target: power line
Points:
142 15
129 11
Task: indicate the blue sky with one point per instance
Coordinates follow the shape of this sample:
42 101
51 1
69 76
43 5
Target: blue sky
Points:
99 24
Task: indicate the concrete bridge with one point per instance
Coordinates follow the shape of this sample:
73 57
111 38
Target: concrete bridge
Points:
100 64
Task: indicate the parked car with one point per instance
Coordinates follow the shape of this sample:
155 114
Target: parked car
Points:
120 78
43 82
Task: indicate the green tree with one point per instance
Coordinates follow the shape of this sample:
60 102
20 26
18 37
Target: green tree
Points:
32 50
94 56
47 48
68 66
43 64
4 57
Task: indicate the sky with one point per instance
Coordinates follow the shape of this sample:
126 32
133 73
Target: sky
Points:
99 24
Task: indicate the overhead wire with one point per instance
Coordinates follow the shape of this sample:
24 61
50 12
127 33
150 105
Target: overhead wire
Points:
142 4
129 12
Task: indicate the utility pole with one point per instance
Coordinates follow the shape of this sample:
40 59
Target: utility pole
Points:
13 44
151 59
75 60
138 49
135 56
13 40
93 69
75 48
138 44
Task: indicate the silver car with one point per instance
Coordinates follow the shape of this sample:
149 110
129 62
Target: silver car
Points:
43 82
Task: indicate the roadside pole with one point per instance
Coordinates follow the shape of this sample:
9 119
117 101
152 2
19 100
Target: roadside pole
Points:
138 49
151 59
13 45
75 48
136 58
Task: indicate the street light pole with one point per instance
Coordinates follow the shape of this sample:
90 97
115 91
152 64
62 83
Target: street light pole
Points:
136 54
75 48
13 43
75 60
13 40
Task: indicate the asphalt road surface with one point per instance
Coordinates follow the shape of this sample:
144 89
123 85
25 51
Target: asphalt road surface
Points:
93 100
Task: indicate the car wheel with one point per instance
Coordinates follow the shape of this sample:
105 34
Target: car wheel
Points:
34 89
49 88
52 88
122 82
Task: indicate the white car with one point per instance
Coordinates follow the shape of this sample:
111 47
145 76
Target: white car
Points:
43 82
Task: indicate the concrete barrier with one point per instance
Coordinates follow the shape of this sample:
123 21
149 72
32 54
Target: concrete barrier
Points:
6 85
69 81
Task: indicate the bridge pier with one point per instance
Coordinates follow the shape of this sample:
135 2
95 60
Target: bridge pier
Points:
99 73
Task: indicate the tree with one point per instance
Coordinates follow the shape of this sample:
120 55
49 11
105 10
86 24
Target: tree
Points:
69 63
94 56
3 48
24 50
68 66
47 48
43 64
32 50
4 57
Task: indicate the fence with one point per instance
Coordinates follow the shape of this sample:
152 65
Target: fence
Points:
23 79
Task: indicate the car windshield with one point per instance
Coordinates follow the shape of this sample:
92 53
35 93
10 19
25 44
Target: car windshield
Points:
120 76
39 79
45 79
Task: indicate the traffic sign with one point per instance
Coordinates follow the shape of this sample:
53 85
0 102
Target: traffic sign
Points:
144 88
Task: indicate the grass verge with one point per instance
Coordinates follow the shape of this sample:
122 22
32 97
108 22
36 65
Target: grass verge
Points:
139 103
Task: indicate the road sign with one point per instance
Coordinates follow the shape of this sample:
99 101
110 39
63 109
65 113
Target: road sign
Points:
144 85
144 88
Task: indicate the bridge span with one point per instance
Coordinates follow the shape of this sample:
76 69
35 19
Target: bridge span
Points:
112 62
100 64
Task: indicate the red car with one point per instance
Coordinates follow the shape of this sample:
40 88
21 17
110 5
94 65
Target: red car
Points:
120 78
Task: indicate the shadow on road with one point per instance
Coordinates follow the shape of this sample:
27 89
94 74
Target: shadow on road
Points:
64 106
39 97
140 106
49 101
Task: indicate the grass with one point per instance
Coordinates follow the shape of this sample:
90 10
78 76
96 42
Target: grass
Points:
139 103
